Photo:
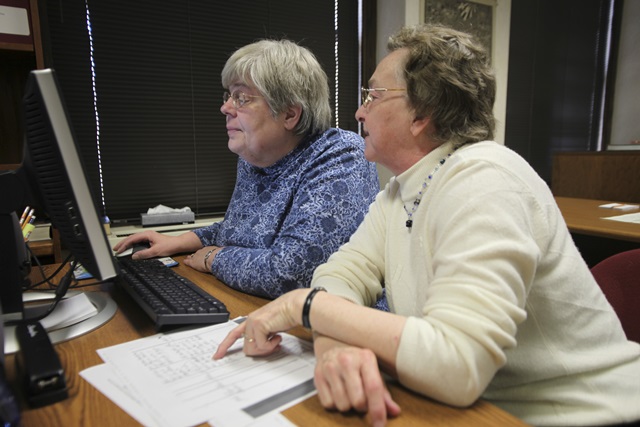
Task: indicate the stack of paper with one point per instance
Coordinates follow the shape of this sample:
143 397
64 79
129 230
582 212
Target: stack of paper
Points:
170 379
620 206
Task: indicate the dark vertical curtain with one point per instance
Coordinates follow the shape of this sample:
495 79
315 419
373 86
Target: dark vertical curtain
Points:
162 138
558 64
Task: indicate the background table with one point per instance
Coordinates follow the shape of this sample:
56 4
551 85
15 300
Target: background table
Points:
598 238
584 216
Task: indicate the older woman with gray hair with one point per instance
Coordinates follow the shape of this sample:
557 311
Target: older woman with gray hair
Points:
302 187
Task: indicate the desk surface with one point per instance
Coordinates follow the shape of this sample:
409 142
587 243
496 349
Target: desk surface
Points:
583 216
86 406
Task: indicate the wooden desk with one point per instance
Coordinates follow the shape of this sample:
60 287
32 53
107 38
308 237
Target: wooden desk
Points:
583 216
86 406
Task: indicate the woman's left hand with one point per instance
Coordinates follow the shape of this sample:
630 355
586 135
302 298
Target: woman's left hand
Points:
197 259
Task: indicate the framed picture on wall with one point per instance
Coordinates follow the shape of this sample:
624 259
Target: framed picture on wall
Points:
475 17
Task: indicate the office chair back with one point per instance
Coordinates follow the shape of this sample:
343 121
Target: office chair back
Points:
619 279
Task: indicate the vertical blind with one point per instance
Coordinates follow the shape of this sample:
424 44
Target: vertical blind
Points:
154 133
558 62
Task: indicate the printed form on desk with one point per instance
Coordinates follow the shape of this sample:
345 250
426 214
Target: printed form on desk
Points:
170 379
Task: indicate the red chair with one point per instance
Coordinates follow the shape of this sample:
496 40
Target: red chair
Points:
619 279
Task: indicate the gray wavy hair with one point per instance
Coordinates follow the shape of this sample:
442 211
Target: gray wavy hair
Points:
286 74
448 78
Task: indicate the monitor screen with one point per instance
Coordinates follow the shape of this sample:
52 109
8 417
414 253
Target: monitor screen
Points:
53 176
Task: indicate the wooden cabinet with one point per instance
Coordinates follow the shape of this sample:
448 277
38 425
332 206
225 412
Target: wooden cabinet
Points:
18 56
600 175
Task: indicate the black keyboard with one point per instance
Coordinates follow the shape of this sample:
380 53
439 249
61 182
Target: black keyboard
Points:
168 298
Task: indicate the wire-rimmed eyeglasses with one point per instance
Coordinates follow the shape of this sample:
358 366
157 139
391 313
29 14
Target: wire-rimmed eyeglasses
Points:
239 99
367 97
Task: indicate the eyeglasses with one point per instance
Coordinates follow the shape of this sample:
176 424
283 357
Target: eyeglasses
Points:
238 98
367 97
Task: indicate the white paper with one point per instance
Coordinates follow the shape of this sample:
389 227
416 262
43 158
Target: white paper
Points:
176 383
633 218
625 207
105 380
69 311
14 20
162 209
620 206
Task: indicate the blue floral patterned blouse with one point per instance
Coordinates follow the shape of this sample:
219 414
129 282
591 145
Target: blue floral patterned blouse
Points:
285 220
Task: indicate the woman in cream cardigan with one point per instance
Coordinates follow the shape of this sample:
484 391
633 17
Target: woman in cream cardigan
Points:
489 296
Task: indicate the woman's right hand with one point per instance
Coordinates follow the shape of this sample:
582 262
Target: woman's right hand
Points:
261 328
159 244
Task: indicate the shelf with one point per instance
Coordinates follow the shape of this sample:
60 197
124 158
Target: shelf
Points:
19 54
48 247
20 47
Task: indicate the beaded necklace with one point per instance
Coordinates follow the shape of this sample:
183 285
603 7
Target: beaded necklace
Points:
423 190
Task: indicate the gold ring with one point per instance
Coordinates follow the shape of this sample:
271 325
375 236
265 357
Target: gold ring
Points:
248 339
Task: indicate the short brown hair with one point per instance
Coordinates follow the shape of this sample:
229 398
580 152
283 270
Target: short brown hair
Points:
449 79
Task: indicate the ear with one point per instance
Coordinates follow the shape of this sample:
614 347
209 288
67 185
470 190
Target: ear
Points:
420 125
292 116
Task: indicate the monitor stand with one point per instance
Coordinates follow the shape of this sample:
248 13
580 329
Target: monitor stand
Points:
103 303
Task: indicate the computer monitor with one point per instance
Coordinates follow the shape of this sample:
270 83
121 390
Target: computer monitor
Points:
51 176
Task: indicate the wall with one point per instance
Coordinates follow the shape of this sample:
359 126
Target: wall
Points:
391 16
625 126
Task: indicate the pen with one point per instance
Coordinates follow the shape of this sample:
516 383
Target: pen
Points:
26 221
24 215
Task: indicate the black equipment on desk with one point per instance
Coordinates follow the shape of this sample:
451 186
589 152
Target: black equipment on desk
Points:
9 409
168 298
44 379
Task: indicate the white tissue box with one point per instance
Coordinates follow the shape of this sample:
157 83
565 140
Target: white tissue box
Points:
167 218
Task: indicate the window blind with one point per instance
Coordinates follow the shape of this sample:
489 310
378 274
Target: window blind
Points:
156 134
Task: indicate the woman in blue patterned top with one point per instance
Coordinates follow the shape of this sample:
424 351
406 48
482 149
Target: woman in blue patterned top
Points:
302 187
